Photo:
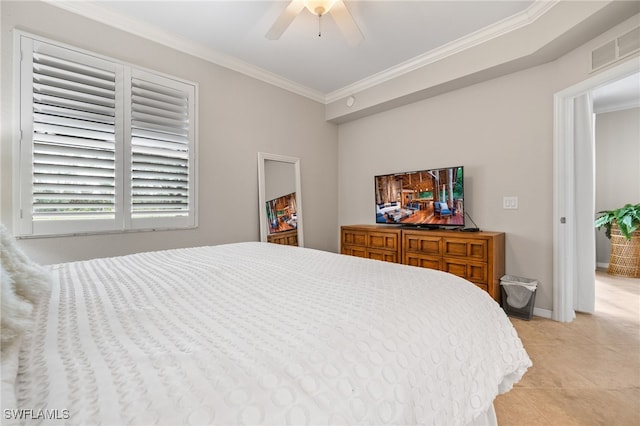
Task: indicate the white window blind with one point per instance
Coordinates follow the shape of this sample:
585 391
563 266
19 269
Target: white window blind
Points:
73 140
104 146
160 150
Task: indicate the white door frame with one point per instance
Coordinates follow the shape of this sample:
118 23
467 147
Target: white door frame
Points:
565 263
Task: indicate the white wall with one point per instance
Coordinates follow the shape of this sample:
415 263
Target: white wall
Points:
501 130
617 167
496 130
238 117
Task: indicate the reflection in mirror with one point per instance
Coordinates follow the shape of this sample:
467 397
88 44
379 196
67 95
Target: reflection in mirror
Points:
280 199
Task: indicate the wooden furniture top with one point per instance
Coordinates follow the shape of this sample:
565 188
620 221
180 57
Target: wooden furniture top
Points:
435 232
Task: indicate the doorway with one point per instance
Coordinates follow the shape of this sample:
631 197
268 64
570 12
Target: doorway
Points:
573 236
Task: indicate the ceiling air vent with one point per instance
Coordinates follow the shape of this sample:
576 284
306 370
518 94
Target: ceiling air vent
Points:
603 55
616 49
630 42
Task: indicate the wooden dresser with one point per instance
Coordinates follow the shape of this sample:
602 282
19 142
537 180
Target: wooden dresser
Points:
475 256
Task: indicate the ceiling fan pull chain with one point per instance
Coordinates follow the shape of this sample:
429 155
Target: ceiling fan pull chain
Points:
319 25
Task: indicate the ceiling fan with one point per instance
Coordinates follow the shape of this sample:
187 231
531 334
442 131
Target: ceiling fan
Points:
336 8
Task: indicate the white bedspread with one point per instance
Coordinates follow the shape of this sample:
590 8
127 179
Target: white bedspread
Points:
261 333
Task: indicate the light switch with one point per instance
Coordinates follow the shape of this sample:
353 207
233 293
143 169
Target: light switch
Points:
510 203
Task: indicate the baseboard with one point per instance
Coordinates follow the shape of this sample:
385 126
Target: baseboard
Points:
544 313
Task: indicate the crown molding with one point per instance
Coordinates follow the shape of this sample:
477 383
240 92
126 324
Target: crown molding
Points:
507 25
156 34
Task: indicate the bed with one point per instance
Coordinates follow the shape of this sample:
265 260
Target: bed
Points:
259 333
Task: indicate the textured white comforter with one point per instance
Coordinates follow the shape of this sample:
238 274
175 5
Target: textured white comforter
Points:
264 334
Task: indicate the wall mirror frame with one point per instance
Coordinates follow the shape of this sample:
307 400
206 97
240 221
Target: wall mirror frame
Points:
265 184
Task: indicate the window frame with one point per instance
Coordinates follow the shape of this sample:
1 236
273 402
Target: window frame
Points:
25 225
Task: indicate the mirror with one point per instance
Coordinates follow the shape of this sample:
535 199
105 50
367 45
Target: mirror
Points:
280 199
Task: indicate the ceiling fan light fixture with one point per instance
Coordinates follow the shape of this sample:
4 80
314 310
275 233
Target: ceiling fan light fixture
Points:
319 7
339 13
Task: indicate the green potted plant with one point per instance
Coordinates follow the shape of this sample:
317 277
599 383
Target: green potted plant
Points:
622 227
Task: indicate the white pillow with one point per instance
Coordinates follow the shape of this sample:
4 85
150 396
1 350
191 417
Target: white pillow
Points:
31 281
15 314
23 283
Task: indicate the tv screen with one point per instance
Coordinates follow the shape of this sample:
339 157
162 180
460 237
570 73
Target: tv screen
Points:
282 213
430 198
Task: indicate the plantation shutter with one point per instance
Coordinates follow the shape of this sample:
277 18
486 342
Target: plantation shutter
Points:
69 127
160 147
104 146
73 139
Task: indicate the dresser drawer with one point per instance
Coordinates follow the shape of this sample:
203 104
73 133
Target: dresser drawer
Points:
422 244
383 240
476 272
357 251
415 259
467 248
386 255
354 238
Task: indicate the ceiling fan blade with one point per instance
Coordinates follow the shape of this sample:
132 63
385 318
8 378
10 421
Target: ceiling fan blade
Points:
345 22
285 19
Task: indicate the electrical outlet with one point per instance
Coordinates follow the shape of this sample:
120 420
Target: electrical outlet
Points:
510 203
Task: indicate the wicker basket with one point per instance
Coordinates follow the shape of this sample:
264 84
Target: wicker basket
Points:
625 254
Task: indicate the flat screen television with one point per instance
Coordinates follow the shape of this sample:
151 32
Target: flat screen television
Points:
282 213
431 198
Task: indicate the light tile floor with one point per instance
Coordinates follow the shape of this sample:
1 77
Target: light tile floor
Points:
586 372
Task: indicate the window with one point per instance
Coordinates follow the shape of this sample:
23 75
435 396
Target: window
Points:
104 146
